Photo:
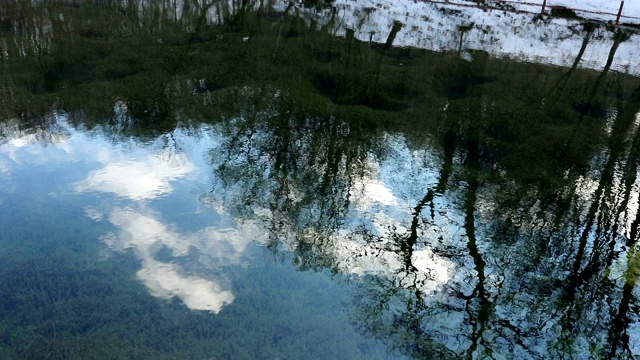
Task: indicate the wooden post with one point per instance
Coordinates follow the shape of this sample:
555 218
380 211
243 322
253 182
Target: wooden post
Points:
544 5
478 2
619 13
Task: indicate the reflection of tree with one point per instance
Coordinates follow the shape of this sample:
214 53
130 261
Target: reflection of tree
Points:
296 168
480 291
619 332
40 129
397 316
536 247
589 29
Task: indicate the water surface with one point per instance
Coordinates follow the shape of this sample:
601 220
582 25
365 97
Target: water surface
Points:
237 182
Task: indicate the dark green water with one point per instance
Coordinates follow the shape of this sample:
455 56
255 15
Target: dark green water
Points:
174 187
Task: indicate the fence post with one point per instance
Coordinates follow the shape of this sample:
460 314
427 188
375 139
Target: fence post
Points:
544 4
619 13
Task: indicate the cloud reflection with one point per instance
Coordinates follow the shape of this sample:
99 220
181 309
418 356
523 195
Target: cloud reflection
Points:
136 180
142 175
146 235
165 281
135 173
189 265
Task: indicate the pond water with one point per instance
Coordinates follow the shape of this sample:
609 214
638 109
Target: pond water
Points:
183 180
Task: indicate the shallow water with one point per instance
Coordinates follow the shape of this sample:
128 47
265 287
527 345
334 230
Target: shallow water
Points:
244 184
108 252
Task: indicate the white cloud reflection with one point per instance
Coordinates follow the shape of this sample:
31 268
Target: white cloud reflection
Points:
142 175
4 167
136 180
135 173
191 266
145 235
165 281
40 144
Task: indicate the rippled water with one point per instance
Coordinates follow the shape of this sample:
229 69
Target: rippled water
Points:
186 181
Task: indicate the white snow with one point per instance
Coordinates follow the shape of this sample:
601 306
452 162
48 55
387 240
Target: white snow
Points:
602 10
507 34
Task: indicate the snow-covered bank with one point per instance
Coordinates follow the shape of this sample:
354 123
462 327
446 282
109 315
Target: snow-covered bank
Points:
602 10
445 27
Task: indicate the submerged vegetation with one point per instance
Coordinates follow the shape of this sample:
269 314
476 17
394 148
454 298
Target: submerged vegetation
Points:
536 169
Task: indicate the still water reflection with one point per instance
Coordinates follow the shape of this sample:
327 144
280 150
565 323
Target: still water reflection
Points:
81 216
231 181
